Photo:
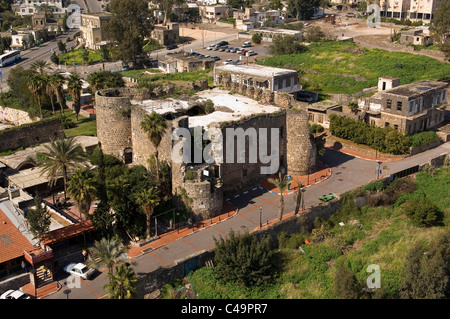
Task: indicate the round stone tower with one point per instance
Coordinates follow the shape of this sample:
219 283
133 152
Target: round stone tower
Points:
114 121
301 150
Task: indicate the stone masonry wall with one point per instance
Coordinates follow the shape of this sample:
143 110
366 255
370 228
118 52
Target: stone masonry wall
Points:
301 153
31 134
17 117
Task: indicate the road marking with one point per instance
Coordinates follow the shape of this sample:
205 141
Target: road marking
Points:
191 244
98 296
159 258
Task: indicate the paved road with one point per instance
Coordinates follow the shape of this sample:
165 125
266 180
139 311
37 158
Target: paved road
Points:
348 172
42 52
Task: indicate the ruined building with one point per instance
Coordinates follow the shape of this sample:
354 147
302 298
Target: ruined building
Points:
283 133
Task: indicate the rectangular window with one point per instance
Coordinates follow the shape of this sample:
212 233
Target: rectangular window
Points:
399 105
388 104
244 173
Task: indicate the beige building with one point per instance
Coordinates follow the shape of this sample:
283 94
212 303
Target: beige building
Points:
416 37
166 34
410 108
211 14
179 62
91 28
422 10
397 9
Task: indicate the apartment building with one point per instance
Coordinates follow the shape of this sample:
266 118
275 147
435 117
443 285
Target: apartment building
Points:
92 33
31 7
410 108
211 14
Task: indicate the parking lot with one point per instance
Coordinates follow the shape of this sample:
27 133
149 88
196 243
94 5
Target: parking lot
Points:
261 51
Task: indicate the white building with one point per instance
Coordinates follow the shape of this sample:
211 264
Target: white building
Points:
30 7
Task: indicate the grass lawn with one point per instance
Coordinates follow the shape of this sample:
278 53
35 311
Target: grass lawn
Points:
385 238
136 73
94 57
340 67
85 126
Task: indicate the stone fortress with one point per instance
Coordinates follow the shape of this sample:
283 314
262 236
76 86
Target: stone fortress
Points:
121 111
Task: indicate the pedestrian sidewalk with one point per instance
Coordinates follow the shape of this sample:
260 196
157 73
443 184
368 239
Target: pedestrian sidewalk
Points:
228 211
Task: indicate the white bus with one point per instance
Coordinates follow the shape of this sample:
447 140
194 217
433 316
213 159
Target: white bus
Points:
9 58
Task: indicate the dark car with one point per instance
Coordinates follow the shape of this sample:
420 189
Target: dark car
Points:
221 43
171 46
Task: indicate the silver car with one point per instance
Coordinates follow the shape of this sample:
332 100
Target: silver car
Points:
79 270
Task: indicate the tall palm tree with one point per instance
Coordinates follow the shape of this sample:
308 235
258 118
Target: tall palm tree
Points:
95 81
82 188
148 199
50 90
155 126
61 158
105 253
57 82
123 284
74 87
39 66
36 85
282 183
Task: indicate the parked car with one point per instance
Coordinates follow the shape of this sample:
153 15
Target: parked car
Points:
211 47
171 46
228 61
250 53
246 45
223 48
243 52
125 67
222 43
228 49
233 50
350 15
80 270
216 47
216 58
14 294
238 50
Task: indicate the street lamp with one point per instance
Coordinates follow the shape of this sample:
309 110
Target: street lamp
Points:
67 292
260 215
378 170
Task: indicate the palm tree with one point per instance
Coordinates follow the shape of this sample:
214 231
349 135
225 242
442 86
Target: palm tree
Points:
46 9
82 188
122 285
61 157
282 183
36 84
57 81
74 87
49 89
105 253
148 199
154 125
95 81
39 66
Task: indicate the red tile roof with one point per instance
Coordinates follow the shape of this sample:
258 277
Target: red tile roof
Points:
67 232
16 243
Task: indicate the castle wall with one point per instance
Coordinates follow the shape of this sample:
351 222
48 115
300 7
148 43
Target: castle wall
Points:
207 200
301 153
240 176
31 134
114 120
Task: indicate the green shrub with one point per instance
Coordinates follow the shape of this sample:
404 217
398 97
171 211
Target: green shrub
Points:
422 212
190 176
376 186
423 138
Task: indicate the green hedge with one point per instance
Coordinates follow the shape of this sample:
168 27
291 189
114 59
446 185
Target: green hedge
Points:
423 138
386 140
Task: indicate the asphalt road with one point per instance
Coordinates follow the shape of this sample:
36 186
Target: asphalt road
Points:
42 52
348 172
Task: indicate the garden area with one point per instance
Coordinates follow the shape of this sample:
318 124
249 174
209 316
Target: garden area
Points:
343 67
394 227
89 56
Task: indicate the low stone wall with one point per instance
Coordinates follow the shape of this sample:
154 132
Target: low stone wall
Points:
332 140
294 224
422 148
31 134
17 117
14 282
